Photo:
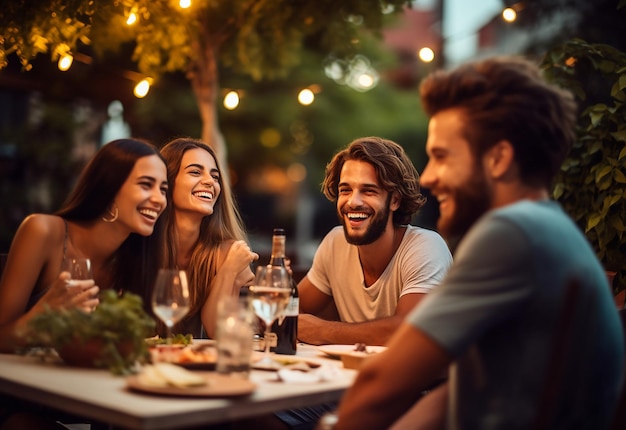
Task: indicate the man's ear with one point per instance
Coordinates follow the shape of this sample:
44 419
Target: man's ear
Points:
499 160
395 202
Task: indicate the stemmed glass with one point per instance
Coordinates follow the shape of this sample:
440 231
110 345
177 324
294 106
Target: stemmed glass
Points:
269 296
79 270
170 298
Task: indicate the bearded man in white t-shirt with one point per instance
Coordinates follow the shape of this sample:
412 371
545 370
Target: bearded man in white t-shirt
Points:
379 267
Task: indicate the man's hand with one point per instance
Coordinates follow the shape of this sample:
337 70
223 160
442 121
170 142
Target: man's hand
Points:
310 329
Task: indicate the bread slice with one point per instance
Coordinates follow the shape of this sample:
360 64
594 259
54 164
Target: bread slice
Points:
164 374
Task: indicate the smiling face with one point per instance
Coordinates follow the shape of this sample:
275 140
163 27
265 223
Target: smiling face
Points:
454 176
363 206
142 197
197 184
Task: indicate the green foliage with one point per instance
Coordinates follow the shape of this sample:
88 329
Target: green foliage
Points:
592 183
259 37
116 321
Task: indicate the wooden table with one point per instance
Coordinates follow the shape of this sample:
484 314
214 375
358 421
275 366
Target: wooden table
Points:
99 395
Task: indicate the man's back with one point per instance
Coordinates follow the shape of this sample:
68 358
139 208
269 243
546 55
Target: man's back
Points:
505 292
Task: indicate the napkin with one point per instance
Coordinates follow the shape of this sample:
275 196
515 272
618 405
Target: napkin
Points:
307 375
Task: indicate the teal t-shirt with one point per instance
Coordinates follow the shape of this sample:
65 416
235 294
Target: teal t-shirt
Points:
497 310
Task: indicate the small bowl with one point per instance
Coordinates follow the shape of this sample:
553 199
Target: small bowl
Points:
90 353
354 360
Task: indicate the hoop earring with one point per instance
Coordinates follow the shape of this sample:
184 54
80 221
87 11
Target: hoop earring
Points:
113 216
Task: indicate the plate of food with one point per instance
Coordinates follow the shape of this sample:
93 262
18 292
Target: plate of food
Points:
174 380
284 361
196 356
336 351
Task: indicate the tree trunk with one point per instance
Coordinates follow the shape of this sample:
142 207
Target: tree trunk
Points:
204 79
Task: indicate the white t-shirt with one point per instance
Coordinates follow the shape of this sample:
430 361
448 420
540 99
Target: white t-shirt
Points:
418 265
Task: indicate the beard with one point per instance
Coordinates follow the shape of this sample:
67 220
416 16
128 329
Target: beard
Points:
471 201
374 231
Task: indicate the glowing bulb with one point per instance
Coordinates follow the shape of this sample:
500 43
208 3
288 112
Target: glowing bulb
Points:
184 4
231 100
306 97
142 88
65 62
132 17
366 80
426 55
509 14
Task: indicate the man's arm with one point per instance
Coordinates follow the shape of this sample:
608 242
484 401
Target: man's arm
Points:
389 383
317 331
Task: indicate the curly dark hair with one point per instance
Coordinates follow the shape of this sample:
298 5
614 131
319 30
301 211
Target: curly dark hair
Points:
506 98
394 170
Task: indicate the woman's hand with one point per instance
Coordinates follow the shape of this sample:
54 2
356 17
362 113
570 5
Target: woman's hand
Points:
239 256
68 293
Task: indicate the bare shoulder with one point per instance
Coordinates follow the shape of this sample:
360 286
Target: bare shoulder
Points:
45 227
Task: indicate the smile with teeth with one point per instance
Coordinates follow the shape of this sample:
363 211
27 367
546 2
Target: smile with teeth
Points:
150 213
357 216
203 195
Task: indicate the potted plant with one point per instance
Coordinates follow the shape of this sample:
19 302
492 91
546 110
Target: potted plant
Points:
591 185
112 336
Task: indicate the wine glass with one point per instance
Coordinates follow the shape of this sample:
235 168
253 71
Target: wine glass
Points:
170 298
79 269
269 296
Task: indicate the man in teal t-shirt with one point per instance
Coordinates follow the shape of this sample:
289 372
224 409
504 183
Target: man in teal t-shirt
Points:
497 136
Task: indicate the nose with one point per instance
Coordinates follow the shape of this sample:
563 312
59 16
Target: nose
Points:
208 180
427 178
157 196
355 199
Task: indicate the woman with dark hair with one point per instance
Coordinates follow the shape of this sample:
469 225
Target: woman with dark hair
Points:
109 217
205 233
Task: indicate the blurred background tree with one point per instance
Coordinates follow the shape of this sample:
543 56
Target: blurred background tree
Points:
266 50
258 38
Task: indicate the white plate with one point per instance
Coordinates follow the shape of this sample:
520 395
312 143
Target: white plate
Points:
217 386
284 361
337 351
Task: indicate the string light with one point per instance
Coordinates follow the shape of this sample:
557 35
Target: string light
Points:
306 97
426 55
142 88
231 100
65 62
509 14
132 17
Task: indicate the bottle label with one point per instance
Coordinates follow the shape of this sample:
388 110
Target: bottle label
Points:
292 308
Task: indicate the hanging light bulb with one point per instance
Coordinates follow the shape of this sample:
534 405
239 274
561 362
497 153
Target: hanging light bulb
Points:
132 17
231 100
509 14
426 54
142 88
306 97
184 4
65 62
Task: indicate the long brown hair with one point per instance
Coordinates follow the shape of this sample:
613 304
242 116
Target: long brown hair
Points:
137 260
224 224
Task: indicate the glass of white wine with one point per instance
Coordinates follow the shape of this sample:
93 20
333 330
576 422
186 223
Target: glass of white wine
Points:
79 270
269 296
170 298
